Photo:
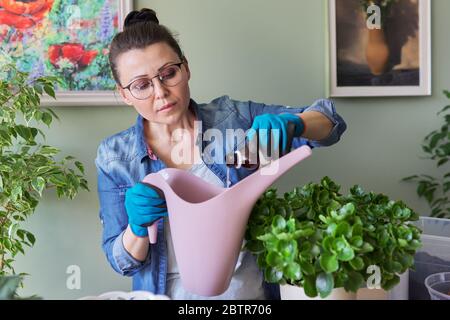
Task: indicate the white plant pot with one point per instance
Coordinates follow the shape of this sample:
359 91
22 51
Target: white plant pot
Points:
289 292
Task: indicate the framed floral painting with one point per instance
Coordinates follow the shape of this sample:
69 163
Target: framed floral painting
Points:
380 48
65 38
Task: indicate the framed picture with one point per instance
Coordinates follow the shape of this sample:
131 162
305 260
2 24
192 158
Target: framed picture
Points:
379 48
68 39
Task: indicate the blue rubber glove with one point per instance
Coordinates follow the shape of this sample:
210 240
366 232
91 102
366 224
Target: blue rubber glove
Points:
270 121
144 206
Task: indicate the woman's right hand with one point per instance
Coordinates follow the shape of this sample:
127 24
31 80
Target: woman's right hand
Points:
144 206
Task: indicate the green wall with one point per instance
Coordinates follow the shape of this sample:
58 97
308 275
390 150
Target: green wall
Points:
266 51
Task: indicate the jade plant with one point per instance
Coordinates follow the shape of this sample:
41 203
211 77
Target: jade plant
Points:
316 238
28 166
437 147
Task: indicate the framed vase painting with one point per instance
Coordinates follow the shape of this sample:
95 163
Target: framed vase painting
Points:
68 39
379 48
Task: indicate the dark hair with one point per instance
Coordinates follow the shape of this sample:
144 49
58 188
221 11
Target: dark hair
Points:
140 29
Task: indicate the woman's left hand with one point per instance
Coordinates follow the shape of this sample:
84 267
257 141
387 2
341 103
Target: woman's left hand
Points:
278 122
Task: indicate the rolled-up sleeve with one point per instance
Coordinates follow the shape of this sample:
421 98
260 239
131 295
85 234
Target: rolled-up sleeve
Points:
114 219
327 108
250 110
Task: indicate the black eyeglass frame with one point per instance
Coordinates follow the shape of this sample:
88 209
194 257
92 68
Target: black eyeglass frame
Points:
151 79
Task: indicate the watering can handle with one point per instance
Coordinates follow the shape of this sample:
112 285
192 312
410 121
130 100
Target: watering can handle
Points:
152 228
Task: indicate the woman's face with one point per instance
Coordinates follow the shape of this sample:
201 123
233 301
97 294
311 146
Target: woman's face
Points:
147 63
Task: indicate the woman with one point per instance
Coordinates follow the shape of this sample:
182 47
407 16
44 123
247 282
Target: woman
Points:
152 75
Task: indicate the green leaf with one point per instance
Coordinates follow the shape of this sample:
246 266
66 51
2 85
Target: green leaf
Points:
47 118
274 259
273 275
48 150
303 233
367 247
347 209
343 229
435 139
442 162
307 268
268 237
324 284
398 267
406 260
447 93
323 219
354 282
16 193
278 222
281 211
309 286
402 243
38 184
391 283
327 244
255 247
38 88
357 241
329 262
331 229
346 254
24 132
30 237
43 169
256 231
12 230
414 245
21 233
49 90
383 238
57 179
357 263
288 249
52 113
292 271
323 196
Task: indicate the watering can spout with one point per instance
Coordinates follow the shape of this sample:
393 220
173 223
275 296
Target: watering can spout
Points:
257 183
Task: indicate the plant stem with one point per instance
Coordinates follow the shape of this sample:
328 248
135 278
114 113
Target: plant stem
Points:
2 254
2 259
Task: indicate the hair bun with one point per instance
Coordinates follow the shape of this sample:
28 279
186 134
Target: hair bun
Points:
143 15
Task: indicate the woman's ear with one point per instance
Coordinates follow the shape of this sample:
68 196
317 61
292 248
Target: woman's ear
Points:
123 95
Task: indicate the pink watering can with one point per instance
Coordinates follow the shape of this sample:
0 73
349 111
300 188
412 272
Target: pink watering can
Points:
208 222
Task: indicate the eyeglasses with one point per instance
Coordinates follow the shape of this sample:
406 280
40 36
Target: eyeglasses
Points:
143 88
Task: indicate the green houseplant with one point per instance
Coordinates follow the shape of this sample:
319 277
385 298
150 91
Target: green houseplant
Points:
437 147
318 239
27 166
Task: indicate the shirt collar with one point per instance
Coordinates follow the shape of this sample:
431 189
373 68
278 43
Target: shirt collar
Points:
141 144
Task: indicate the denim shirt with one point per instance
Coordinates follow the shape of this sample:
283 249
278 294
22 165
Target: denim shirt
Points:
122 161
